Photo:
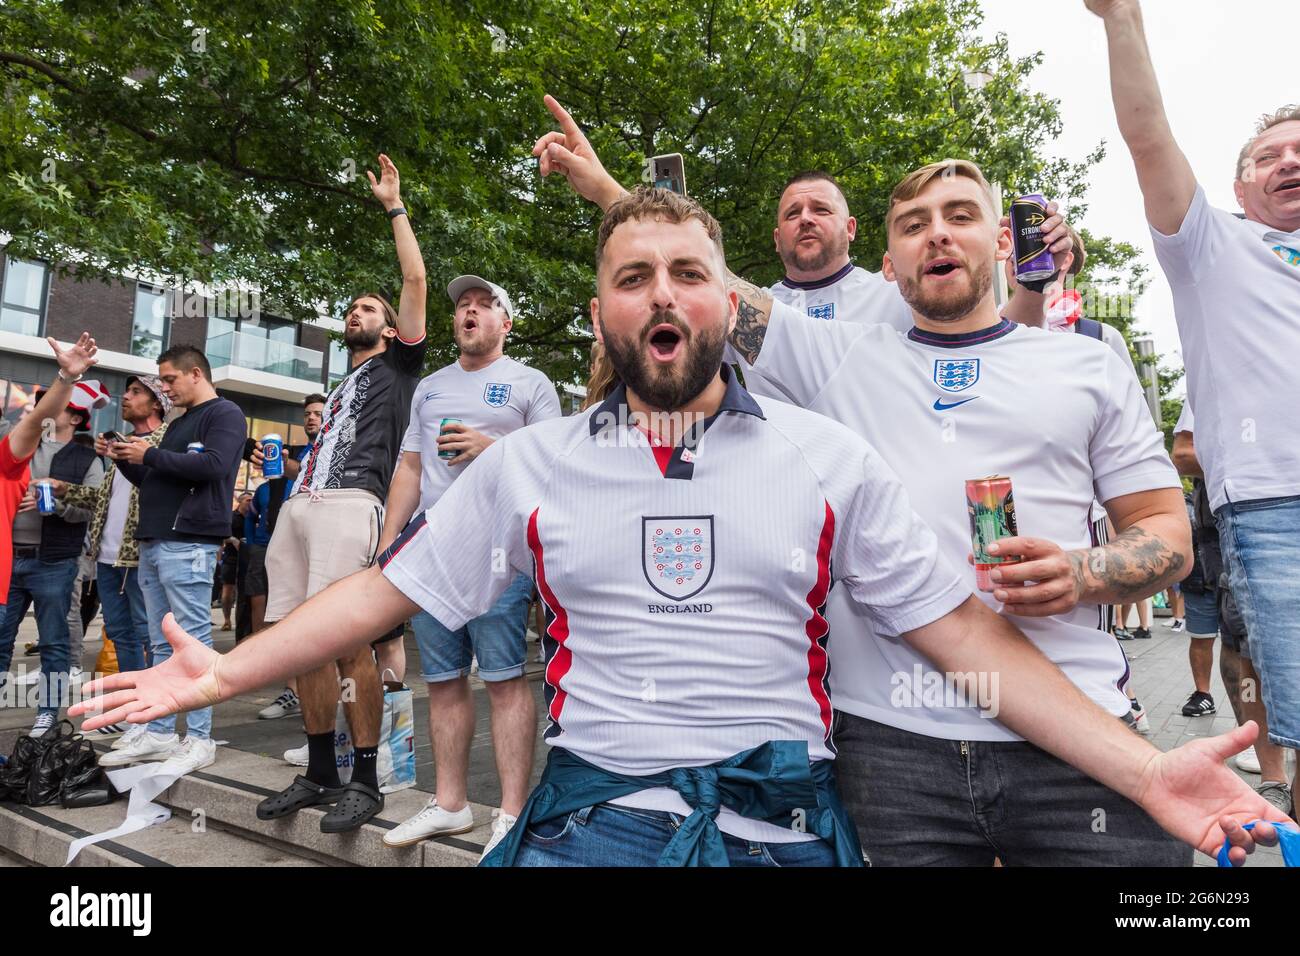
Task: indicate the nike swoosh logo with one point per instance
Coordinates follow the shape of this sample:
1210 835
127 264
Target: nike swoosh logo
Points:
941 406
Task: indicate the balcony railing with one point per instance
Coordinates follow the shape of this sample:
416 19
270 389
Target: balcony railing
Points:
264 355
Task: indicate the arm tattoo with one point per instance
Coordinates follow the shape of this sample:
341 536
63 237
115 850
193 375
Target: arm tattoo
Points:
1135 565
752 316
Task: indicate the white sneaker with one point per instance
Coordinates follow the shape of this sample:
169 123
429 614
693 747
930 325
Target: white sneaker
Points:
76 675
44 721
297 757
147 746
1247 760
501 825
194 753
284 705
129 736
432 821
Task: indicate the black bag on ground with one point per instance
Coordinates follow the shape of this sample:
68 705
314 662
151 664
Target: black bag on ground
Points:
84 782
59 767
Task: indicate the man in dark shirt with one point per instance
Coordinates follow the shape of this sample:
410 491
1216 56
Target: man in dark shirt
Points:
330 526
186 484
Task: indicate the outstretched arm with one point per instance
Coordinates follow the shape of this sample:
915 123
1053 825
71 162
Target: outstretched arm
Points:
1164 174
1189 790
411 308
73 361
359 608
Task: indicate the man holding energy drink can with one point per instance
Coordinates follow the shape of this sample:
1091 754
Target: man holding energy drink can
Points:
458 412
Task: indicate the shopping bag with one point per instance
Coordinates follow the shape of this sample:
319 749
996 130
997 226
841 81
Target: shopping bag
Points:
395 765
1288 840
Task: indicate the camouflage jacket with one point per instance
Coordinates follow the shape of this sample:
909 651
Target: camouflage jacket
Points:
128 555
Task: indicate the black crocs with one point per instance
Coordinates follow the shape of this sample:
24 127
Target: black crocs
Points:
357 805
301 793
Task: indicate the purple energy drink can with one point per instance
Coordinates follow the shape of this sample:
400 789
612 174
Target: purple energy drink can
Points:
1033 259
45 497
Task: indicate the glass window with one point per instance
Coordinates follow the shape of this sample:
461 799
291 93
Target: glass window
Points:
339 363
150 327
23 306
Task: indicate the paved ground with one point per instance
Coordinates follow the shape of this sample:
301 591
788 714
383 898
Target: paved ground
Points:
1160 670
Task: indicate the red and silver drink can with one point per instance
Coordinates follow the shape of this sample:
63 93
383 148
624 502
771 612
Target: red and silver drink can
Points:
992 514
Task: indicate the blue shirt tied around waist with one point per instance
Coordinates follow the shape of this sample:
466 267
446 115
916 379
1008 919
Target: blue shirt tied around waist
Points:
770 782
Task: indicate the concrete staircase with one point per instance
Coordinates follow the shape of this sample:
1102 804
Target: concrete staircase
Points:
213 824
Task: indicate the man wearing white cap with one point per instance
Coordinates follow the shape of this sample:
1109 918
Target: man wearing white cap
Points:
482 396
47 546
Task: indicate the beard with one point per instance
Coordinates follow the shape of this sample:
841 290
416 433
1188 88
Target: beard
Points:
814 260
670 387
360 340
483 345
951 305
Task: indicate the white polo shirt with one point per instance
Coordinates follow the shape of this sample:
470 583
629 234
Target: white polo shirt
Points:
1236 288
495 400
850 295
684 590
1060 414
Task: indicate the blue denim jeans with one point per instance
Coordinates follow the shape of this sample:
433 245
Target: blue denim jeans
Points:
498 639
48 586
1261 549
921 801
125 618
176 576
607 835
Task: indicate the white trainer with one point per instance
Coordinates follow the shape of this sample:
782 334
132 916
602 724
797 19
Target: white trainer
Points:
44 721
147 746
130 735
297 757
1247 760
284 705
501 825
432 821
194 753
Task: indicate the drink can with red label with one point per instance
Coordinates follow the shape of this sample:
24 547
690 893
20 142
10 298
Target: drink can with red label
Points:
992 514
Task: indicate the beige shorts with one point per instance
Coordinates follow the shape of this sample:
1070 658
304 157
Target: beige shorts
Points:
317 541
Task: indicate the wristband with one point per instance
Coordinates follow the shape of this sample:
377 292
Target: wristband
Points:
68 381
396 211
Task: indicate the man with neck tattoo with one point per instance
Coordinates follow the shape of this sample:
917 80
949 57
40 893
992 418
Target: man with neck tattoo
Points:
967 393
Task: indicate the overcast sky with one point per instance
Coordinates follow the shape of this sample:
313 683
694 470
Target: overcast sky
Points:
1219 66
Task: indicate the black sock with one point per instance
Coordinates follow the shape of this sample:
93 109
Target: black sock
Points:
322 766
364 760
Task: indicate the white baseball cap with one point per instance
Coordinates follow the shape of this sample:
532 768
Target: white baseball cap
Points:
462 284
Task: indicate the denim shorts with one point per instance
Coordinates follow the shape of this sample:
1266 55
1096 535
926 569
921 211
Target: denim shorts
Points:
1261 549
607 835
1202 610
496 639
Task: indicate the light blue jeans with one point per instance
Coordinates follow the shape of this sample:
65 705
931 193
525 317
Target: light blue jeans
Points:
1261 548
176 576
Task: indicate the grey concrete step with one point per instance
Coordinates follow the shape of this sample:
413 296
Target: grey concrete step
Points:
40 836
229 791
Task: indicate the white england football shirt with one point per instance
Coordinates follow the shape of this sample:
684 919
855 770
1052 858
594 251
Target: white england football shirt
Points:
1060 414
850 295
684 589
1236 287
495 400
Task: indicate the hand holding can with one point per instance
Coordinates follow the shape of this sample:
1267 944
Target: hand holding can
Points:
272 456
992 514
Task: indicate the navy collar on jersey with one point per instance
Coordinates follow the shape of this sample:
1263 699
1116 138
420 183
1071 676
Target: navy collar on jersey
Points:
961 339
818 283
613 411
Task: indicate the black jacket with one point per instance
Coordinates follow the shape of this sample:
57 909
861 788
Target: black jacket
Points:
186 495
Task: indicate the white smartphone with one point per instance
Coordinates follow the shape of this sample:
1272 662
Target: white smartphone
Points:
669 172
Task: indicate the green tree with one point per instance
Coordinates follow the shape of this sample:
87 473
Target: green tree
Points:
226 143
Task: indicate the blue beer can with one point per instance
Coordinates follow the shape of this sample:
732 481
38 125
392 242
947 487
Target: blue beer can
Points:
194 447
45 497
272 455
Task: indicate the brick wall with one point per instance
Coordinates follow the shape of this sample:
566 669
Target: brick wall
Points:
104 309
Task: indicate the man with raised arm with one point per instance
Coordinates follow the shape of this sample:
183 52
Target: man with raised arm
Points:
967 393
686 671
1236 288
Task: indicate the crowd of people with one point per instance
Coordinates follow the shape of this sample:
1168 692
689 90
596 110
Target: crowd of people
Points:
755 470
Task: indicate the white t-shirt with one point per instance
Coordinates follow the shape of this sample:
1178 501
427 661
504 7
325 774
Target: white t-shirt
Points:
1236 287
851 295
119 503
1186 421
1060 414
494 400
655 660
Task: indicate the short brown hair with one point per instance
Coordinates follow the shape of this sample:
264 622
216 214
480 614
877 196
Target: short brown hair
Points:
915 182
390 314
648 202
1080 254
1266 122
815 176
315 399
